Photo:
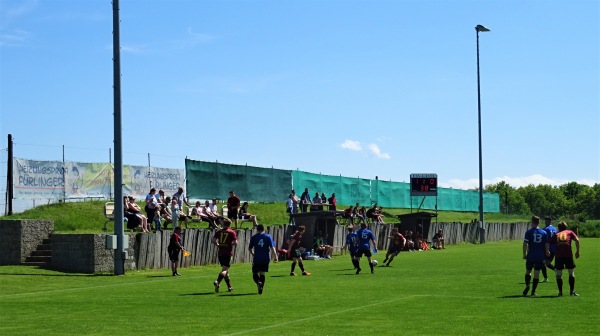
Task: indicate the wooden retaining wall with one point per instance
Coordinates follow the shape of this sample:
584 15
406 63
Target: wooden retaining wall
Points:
152 247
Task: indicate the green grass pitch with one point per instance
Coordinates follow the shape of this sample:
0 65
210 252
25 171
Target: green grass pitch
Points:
464 289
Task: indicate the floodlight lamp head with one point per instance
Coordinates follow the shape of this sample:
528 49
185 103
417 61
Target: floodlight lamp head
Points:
481 28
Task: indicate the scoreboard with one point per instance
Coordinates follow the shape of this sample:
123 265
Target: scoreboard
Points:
423 184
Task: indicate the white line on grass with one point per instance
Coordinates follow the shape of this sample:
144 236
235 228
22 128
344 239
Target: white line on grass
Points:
323 315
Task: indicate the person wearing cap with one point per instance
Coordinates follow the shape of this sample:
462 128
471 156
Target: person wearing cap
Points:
233 203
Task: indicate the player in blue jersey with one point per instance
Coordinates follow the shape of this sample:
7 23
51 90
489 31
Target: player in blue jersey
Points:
534 251
363 239
550 232
350 238
262 248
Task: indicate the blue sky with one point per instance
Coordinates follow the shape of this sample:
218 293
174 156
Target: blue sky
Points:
357 88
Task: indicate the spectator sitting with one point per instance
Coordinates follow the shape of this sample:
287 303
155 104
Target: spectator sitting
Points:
356 211
418 238
214 207
160 198
438 240
245 215
321 248
135 209
410 244
199 214
165 213
379 214
133 221
362 214
211 217
372 213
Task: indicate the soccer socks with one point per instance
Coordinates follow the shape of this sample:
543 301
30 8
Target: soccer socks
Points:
390 261
262 279
544 272
559 284
572 283
527 280
355 263
220 278
301 265
255 277
228 281
535 283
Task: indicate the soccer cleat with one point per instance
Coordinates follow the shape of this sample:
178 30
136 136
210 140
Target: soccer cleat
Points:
292 274
574 294
216 286
305 273
533 294
358 270
230 289
260 287
545 280
559 294
176 274
526 290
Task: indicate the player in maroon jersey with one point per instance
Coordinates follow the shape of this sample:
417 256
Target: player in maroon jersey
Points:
397 244
294 247
225 239
564 255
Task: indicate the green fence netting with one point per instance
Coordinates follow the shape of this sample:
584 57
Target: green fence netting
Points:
206 180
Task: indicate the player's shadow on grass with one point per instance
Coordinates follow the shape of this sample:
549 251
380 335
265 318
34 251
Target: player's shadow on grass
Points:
198 294
528 297
240 294
160 276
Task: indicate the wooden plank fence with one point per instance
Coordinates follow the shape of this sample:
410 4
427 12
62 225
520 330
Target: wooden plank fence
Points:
151 248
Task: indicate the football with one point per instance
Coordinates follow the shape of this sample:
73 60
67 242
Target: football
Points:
374 262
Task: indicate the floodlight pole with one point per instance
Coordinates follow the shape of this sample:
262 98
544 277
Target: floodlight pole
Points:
480 28
120 252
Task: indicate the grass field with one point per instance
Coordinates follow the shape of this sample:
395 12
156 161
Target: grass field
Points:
464 289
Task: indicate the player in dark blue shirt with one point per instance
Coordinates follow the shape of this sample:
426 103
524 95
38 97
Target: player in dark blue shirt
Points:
363 239
534 251
261 246
350 238
550 232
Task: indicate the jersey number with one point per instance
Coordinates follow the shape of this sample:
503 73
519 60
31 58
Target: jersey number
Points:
260 243
223 237
537 238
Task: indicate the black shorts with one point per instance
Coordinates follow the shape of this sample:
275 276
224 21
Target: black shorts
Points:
394 250
564 262
537 265
366 253
225 261
550 258
352 253
260 268
232 214
174 254
295 254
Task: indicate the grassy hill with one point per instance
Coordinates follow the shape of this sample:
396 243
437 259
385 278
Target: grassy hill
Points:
87 217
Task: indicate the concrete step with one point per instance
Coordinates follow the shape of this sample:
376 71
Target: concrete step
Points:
43 259
44 247
47 241
41 253
35 263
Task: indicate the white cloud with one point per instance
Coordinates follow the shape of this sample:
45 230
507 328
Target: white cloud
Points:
515 182
351 145
377 152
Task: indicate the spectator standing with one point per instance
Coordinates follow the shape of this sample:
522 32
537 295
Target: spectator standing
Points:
305 200
174 248
262 248
551 232
225 239
151 204
534 253
181 199
295 201
564 255
323 199
233 204
364 237
333 201
316 201
289 208
177 213
397 244
294 247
